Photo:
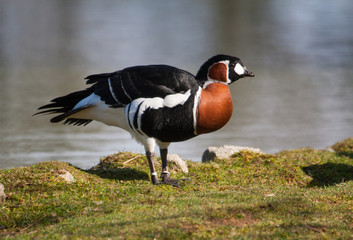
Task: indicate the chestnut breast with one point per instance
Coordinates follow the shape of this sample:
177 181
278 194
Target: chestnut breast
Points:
215 108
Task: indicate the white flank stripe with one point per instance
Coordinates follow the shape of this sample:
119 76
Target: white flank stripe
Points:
169 101
196 105
154 103
130 114
173 100
112 92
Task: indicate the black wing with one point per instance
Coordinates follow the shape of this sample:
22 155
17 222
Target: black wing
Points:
121 87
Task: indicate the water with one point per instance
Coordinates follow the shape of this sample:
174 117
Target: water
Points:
300 51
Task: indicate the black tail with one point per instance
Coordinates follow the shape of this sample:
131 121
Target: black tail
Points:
64 106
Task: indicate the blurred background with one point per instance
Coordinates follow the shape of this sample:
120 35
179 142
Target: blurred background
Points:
301 52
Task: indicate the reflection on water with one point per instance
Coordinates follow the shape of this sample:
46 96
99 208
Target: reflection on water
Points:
300 51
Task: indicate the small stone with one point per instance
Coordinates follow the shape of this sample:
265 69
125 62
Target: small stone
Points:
98 202
67 176
175 158
330 149
2 193
270 195
225 152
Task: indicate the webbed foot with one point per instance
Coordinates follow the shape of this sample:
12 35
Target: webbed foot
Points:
174 182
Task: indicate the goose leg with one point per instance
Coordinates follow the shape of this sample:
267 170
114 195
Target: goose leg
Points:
165 173
150 158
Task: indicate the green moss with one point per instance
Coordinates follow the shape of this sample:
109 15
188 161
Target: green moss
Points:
298 194
344 147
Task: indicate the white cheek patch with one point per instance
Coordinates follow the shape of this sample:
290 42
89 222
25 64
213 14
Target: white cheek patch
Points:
239 69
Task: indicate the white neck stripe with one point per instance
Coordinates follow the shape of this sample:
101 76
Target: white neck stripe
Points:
196 106
210 81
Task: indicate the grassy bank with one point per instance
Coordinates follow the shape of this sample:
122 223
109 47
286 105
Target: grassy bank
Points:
298 194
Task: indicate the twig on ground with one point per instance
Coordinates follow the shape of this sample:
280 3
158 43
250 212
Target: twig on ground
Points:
129 160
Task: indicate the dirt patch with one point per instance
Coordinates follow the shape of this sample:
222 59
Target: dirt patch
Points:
243 221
